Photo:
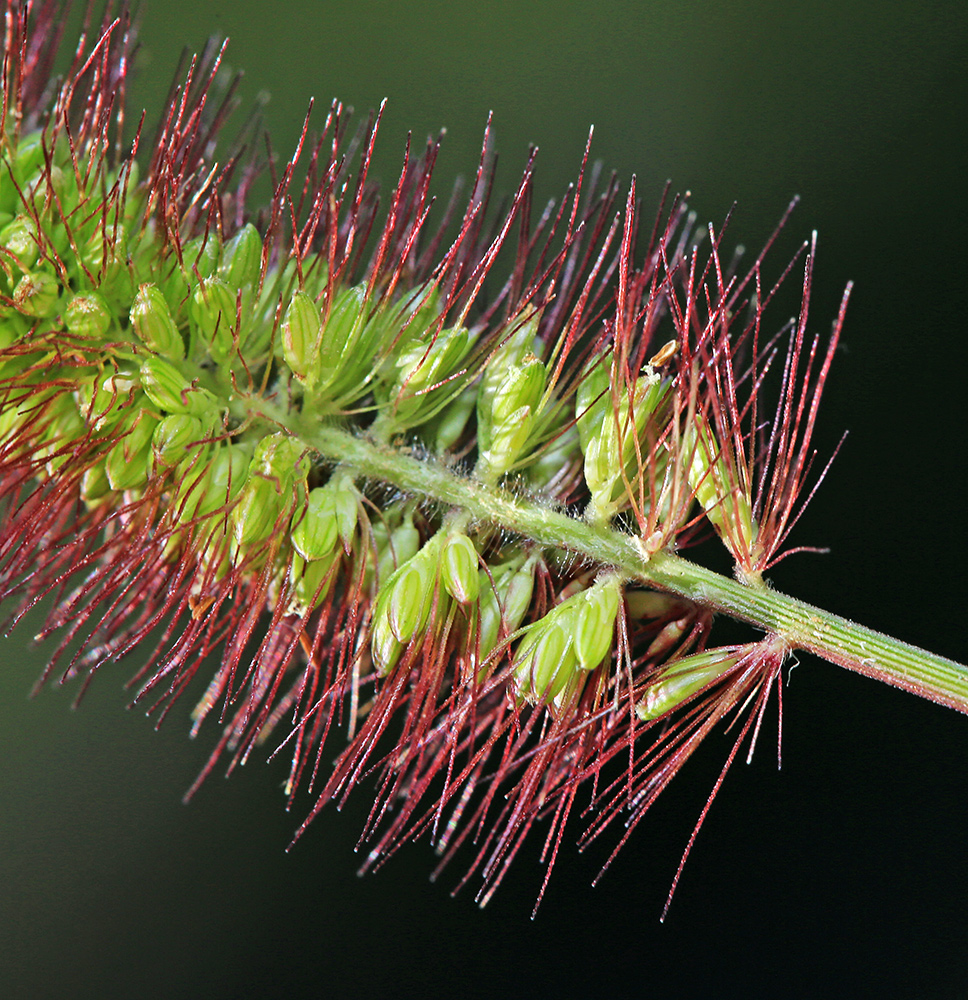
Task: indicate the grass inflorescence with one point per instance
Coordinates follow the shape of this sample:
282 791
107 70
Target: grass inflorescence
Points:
418 475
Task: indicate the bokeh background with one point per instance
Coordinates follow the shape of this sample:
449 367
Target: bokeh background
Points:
843 875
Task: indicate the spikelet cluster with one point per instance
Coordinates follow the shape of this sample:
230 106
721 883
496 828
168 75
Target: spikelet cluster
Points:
166 352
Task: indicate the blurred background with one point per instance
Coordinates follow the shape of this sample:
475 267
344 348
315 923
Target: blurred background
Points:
844 874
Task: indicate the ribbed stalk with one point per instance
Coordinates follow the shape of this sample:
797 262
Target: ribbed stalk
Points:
802 625
806 627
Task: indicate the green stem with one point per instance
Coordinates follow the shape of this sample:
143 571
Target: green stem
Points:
801 625
809 628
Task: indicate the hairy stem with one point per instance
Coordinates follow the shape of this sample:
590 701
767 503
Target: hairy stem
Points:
801 625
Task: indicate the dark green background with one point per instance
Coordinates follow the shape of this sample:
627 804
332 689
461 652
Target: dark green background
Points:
844 875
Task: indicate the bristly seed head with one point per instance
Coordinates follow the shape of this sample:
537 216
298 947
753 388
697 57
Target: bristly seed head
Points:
171 362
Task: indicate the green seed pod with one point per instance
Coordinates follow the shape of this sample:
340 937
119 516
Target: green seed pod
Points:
40 399
312 582
458 568
268 488
509 355
177 439
596 611
103 251
19 238
242 258
419 367
393 328
88 315
53 188
522 385
10 423
30 155
212 312
489 615
610 450
517 600
505 597
315 529
106 258
336 355
36 294
104 399
276 456
601 461
681 679
338 346
507 440
153 323
506 407
545 661
201 256
165 385
385 648
412 595
721 490
126 464
404 603
301 339
407 605
225 479
176 284
346 508
572 638
206 488
94 484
